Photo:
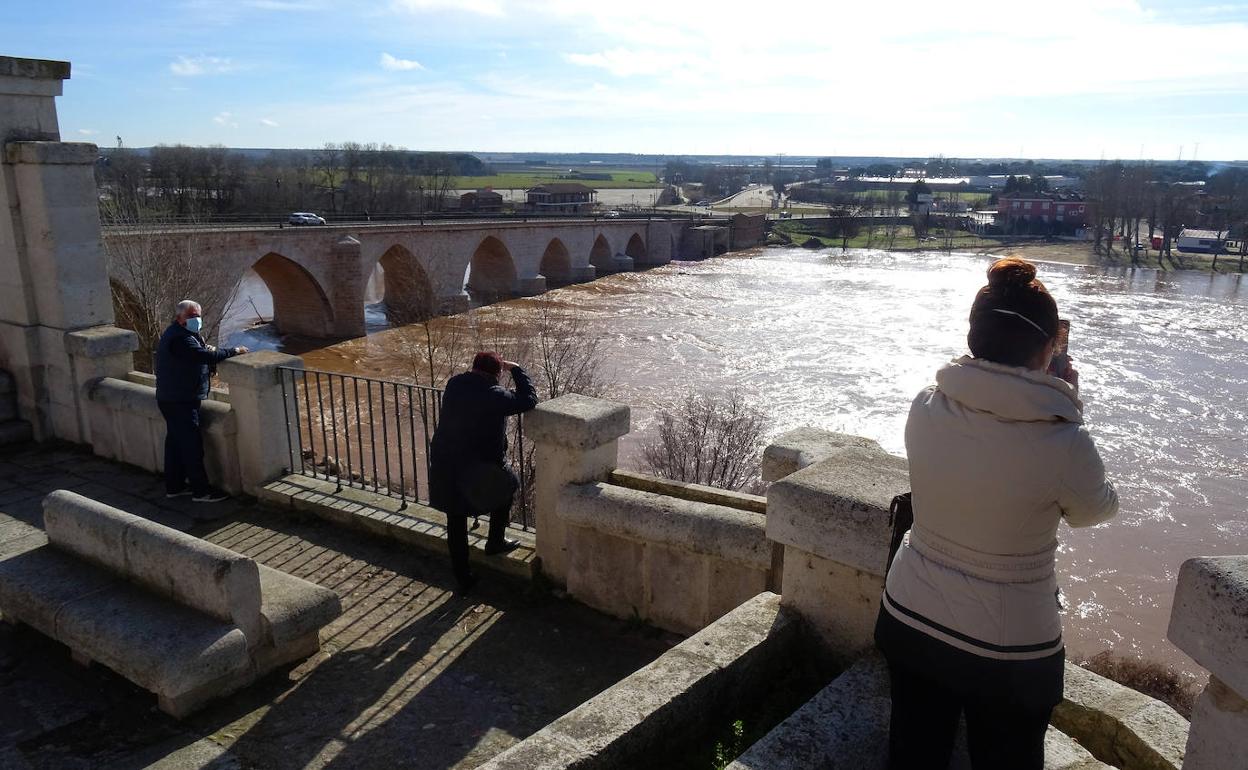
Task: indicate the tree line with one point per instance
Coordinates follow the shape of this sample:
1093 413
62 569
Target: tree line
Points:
1133 203
339 178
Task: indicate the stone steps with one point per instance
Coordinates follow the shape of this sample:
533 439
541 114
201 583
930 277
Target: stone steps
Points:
417 525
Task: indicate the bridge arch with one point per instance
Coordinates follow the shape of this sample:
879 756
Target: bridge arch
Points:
406 289
556 263
636 248
491 273
300 305
600 254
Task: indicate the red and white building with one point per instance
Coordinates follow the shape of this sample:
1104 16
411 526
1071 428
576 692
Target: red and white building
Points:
1041 213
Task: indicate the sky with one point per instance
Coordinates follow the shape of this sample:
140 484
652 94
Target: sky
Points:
1051 79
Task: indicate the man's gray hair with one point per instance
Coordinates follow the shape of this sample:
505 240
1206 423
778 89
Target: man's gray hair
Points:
186 305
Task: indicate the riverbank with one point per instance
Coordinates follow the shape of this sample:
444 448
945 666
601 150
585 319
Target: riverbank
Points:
1067 252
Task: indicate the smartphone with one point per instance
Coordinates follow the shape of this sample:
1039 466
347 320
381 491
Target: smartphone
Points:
1061 349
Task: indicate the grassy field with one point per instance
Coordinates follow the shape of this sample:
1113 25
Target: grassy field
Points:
522 179
799 232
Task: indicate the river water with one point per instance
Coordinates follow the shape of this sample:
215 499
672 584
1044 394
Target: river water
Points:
844 342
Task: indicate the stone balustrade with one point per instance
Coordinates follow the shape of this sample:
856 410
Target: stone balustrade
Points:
1209 622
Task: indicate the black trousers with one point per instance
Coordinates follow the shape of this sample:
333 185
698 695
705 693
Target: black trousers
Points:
457 539
184 447
1007 704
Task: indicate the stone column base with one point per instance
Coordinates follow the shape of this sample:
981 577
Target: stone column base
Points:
531 287
622 264
582 274
456 303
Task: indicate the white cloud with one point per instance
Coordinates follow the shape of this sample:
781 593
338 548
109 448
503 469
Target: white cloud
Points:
625 62
395 64
270 122
225 119
88 131
191 66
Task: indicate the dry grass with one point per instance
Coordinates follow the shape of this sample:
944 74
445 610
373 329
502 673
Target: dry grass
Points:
1174 688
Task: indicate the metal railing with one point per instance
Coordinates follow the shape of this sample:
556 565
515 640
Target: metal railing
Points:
374 435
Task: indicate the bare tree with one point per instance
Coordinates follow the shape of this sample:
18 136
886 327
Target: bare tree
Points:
709 440
150 273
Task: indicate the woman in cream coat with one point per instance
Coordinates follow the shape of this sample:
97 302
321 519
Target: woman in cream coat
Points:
999 456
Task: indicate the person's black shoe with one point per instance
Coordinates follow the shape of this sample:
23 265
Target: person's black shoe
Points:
183 493
211 496
465 584
506 546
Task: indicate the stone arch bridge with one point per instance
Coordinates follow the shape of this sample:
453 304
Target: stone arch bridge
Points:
318 276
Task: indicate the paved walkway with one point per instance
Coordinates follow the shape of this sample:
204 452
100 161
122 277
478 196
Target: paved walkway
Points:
409 676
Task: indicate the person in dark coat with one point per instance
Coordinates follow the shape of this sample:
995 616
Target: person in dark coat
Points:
184 366
468 468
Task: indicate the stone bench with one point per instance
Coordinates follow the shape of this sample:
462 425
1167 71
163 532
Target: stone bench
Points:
181 617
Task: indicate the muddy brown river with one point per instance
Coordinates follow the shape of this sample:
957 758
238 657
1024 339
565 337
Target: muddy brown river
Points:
844 342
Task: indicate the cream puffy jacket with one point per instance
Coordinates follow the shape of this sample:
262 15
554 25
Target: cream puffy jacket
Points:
998 457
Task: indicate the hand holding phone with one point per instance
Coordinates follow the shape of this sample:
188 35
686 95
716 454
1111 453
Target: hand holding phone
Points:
1060 366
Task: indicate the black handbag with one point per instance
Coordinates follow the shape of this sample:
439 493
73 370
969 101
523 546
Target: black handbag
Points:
486 487
900 518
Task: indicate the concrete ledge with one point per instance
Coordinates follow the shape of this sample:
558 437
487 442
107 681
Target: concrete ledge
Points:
99 341
1209 620
1119 725
149 380
712 530
37 69
418 525
577 422
292 608
52 153
698 493
256 370
845 727
638 720
837 509
800 447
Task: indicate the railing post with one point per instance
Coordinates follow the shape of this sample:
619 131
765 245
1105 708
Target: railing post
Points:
1209 621
256 396
575 440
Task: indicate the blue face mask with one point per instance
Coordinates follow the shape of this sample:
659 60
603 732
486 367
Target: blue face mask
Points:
194 324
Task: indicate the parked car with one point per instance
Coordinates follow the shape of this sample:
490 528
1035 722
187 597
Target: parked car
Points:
612 215
304 218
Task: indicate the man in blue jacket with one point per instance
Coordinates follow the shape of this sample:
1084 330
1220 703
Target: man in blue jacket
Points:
184 365
468 473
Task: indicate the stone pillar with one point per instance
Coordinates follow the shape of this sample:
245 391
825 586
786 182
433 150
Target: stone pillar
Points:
658 242
455 303
346 296
96 353
582 274
531 287
622 263
1209 621
832 518
53 276
576 441
800 447
265 437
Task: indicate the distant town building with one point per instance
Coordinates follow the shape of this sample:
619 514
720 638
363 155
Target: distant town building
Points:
561 198
1201 241
1042 213
484 201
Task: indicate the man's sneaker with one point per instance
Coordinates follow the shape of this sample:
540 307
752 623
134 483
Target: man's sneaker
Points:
183 493
211 496
506 546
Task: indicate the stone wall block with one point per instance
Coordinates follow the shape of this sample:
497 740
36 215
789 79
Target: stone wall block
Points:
676 587
1219 734
264 438
800 447
577 422
838 508
1209 619
838 601
604 571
